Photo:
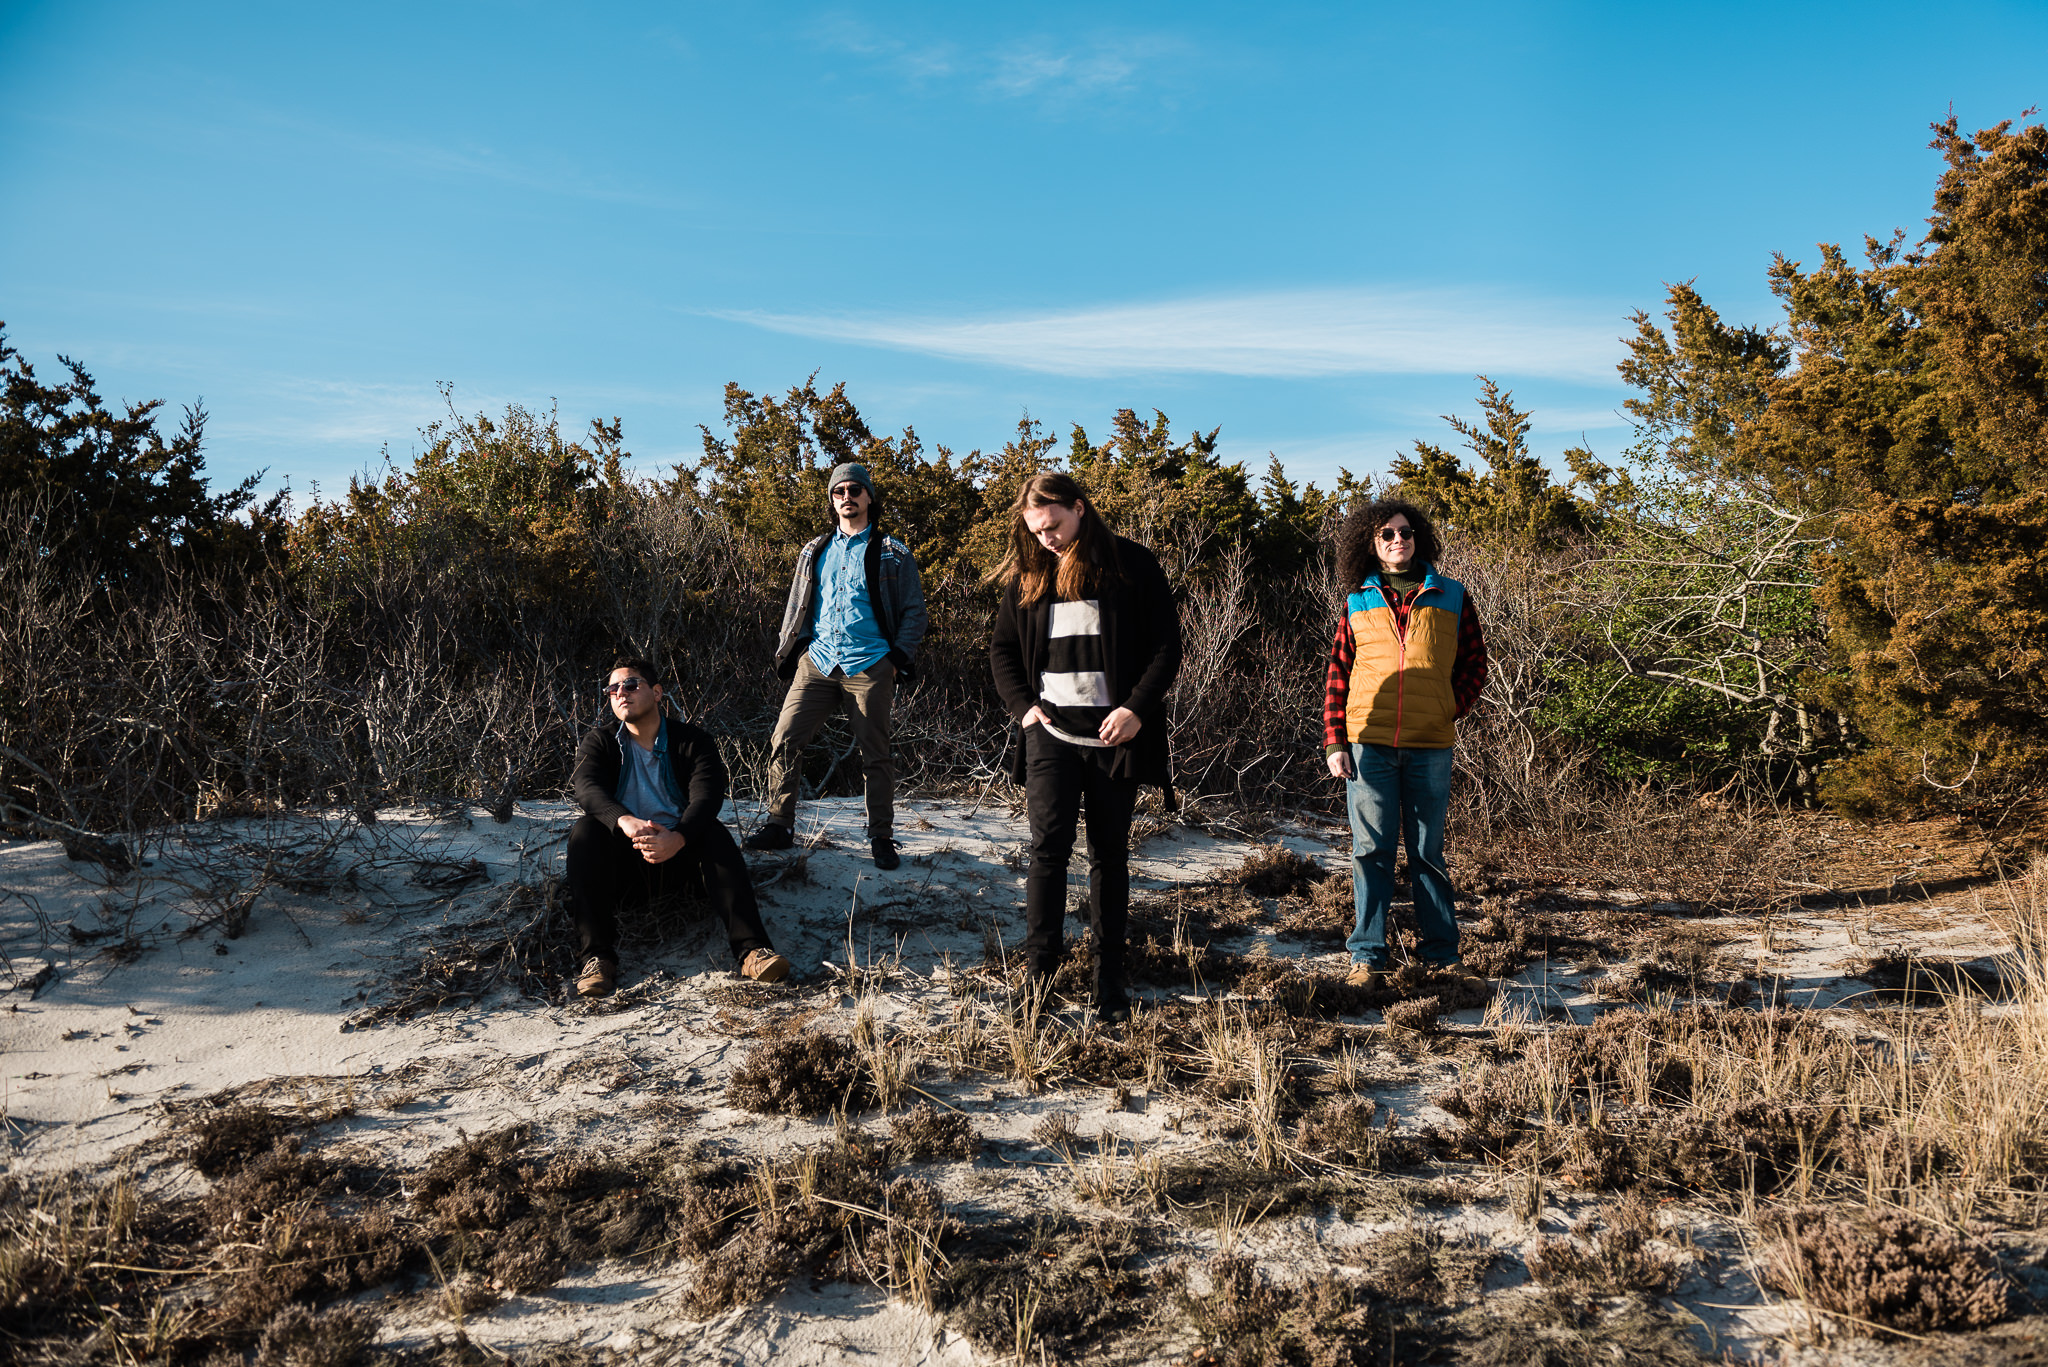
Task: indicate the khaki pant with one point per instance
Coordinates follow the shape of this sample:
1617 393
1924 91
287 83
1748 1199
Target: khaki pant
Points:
813 696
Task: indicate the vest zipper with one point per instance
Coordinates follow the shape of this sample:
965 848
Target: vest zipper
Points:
1400 674
1401 659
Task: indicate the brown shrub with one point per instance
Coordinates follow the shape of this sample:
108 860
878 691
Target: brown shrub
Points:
299 1337
926 1132
1246 1321
1492 958
1631 982
1345 1132
1607 1261
1276 871
1075 1284
280 1179
308 1253
827 1213
526 1258
1418 1264
1056 1131
1147 1042
1891 1270
476 1183
1419 1014
808 1073
1490 1106
1558 1331
222 1141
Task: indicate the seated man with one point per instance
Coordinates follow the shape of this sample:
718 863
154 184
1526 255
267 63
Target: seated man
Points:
650 790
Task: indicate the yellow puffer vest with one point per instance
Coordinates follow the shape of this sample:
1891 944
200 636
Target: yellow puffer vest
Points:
1400 691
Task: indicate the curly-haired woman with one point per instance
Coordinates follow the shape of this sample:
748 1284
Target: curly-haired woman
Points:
1409 660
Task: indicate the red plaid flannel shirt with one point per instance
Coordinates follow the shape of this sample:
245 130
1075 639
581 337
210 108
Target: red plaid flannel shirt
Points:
1468 670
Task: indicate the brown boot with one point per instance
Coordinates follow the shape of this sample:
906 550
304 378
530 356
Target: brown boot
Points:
1366 976
1470 981
598 978
764 966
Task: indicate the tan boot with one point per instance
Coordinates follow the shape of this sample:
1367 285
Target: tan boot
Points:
598 977
765 966
1365 975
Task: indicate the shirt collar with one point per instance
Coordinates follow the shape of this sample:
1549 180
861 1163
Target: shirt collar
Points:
625 738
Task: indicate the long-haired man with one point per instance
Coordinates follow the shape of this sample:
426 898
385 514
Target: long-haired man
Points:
1087 643
1409 660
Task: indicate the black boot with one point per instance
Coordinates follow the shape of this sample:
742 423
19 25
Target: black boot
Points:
1111 1005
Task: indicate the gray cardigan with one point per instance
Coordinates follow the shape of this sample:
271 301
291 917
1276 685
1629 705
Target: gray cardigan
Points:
894 591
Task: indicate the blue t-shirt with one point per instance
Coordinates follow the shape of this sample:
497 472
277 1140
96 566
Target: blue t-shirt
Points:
844 631
645 788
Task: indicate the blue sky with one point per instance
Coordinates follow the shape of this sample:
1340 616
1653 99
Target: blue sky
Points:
1308 224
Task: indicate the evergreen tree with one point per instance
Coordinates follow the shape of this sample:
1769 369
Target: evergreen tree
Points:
113 487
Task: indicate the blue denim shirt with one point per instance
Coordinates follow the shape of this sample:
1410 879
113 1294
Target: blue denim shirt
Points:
845 635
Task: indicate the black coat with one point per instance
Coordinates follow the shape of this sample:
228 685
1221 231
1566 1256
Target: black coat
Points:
1140 646
694 767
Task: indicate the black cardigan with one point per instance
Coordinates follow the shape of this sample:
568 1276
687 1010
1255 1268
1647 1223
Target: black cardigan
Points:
693 763
1140 645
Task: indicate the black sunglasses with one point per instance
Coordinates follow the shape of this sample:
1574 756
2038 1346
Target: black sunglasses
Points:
1397 533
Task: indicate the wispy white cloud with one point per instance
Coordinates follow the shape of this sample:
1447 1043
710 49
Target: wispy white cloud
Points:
1052 71
1302 334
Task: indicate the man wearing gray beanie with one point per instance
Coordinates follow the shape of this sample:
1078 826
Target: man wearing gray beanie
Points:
850 630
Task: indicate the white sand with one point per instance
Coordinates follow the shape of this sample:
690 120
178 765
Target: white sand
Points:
94 1057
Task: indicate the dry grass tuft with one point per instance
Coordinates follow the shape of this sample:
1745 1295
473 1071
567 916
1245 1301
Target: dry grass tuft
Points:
890 1058
1058 1133
60 1239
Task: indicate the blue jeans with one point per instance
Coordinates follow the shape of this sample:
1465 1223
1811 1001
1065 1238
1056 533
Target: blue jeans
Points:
1400 794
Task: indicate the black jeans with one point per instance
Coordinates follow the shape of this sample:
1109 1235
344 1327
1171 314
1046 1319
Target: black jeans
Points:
1059 780
607 875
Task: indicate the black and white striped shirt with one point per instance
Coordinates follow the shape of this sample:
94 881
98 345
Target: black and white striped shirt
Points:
1073 689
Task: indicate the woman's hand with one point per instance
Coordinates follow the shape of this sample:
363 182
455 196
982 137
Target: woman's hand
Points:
1034 717
1119 726
1340 764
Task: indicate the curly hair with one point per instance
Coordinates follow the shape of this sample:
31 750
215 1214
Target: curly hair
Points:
1356 557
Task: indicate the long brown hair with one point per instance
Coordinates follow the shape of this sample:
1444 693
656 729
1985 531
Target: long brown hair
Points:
1089 564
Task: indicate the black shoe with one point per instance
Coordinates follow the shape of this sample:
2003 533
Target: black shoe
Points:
771 836
886 857
1111 1005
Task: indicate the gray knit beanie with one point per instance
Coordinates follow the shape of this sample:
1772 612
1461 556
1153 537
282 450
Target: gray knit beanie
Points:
850 471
